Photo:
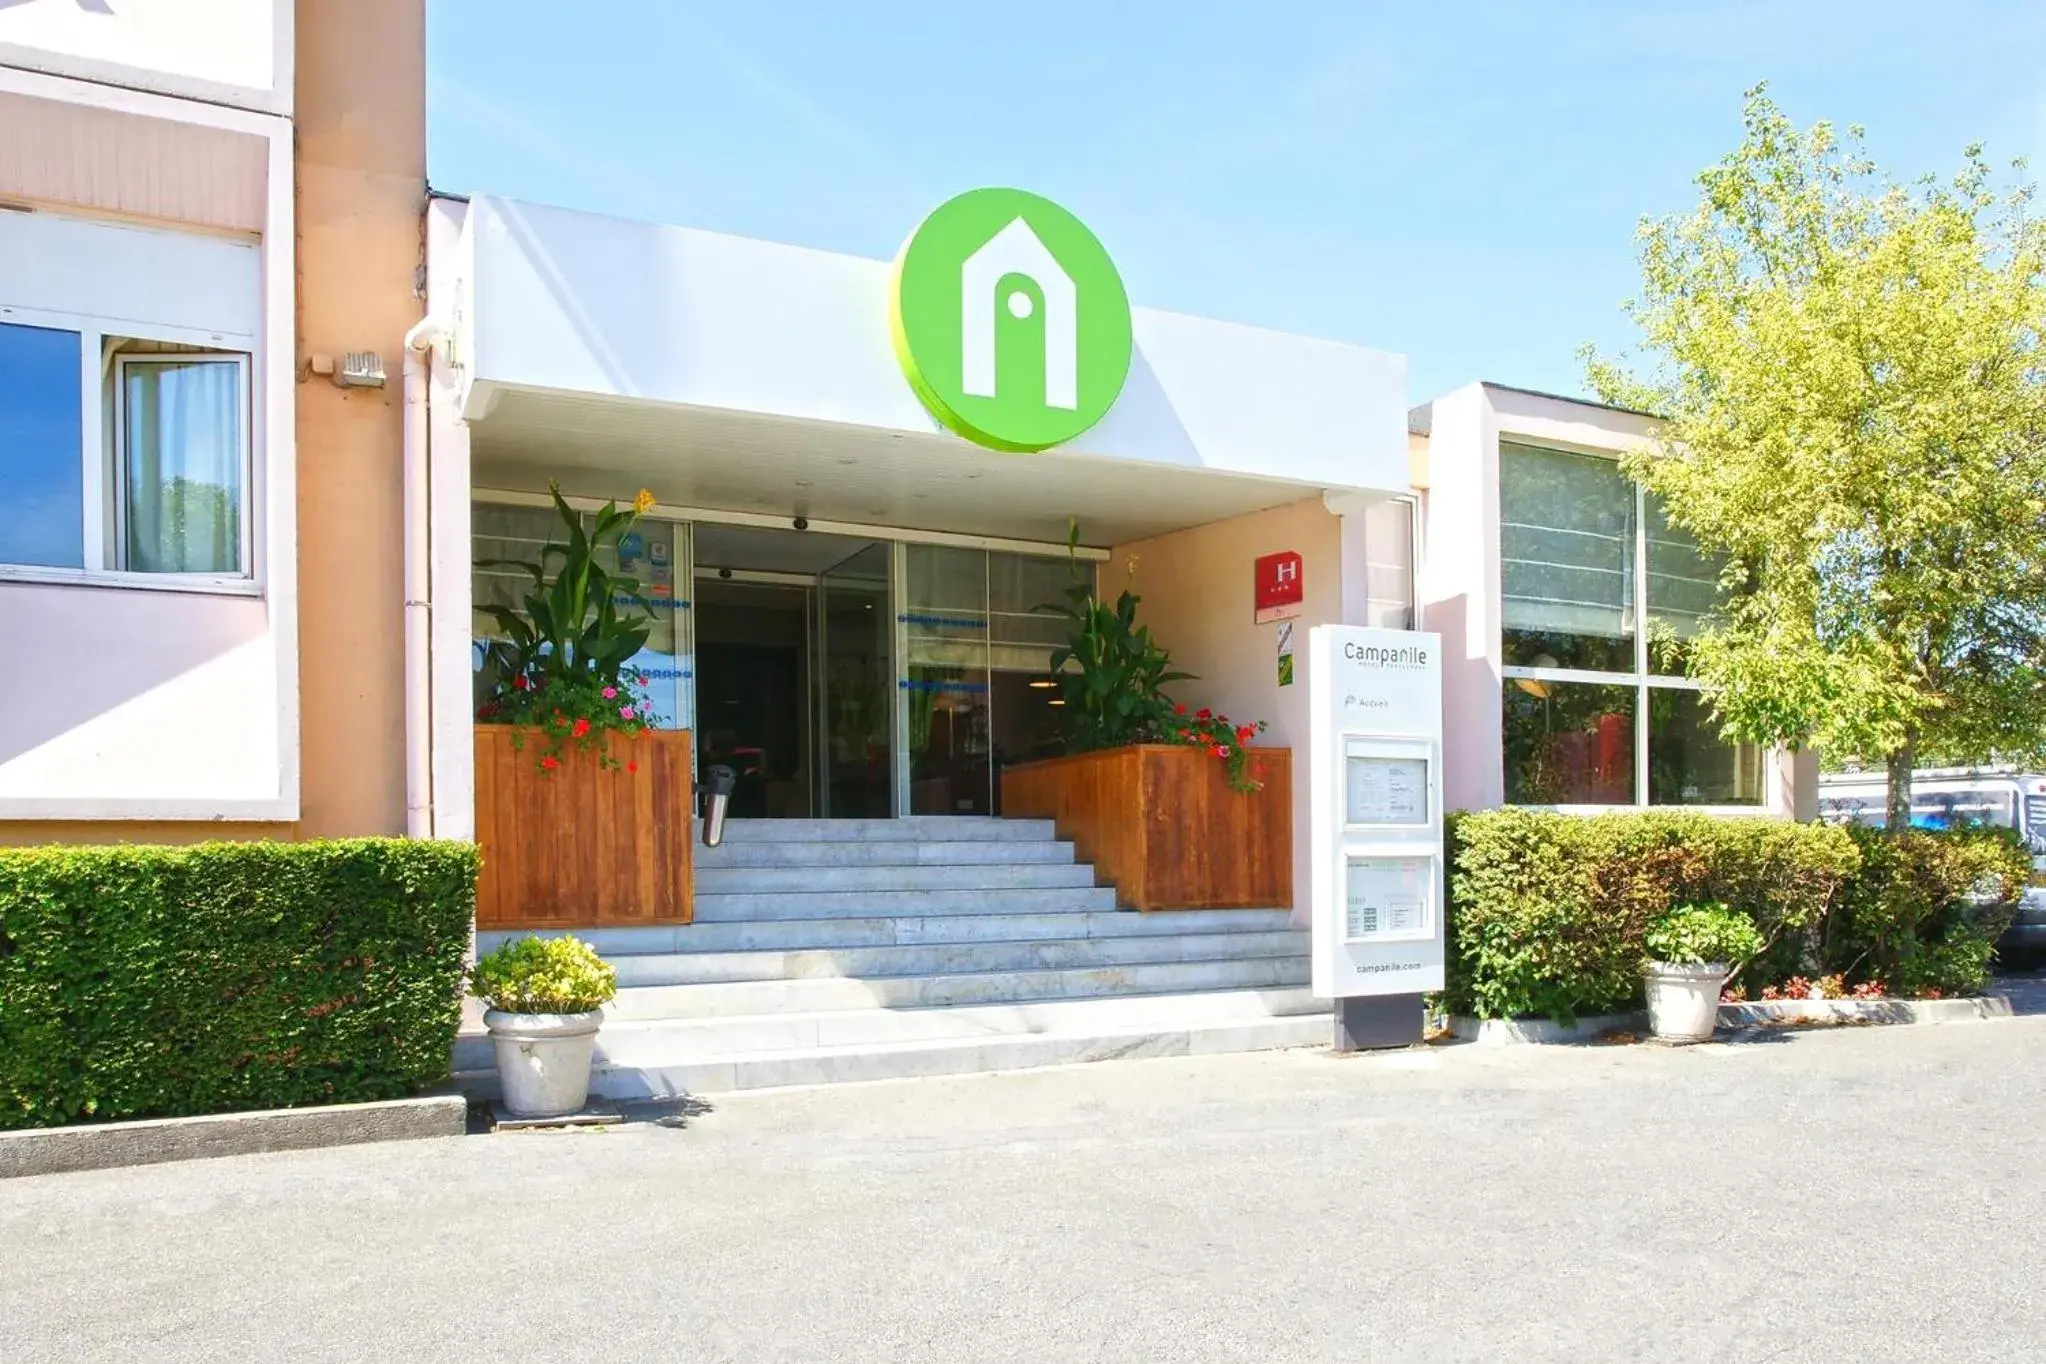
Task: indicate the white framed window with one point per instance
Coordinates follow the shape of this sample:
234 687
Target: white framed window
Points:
1599 596
128 453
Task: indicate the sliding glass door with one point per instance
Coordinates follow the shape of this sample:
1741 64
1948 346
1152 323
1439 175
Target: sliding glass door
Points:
976 681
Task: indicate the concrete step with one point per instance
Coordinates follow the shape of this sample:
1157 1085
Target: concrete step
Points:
952 1056
996 876
761 906
881 929
936 958
883 853
657 1043
936 828
831 993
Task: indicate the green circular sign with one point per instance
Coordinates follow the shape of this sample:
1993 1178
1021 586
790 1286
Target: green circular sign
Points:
1010 320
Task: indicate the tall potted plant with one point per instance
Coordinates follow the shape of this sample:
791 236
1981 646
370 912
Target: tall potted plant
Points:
561 667
1172 806
583 809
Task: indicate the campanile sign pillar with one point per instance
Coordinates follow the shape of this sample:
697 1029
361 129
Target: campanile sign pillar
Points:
1375 828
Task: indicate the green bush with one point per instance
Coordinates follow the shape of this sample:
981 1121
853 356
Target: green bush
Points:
140 981
544 976
1923 914
1548 913
1703 935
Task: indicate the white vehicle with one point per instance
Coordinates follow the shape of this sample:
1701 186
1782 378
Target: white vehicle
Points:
1946 798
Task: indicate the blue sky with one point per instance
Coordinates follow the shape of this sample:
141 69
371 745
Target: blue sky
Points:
1456 181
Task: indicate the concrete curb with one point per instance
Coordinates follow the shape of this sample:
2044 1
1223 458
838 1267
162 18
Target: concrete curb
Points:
1763 1011
100 1146
1504 1032
1500 1032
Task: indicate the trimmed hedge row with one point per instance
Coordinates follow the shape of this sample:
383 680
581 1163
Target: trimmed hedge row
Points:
141 981
1547 911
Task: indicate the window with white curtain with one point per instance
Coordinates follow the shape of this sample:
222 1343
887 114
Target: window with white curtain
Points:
129 440
183 447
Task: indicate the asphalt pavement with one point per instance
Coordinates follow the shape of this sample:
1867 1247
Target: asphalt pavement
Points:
1855 1193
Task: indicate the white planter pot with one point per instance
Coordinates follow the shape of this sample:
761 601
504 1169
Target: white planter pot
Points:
543 1060
1683 1001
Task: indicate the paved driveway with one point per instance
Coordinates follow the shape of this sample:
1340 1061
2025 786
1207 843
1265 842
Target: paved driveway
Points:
1855 1194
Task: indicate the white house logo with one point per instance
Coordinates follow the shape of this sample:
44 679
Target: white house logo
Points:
1009 320
1015 250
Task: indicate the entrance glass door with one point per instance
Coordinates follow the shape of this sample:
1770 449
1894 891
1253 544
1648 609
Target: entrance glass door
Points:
854 695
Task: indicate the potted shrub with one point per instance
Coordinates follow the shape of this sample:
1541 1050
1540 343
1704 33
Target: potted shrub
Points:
545 1000
1691 951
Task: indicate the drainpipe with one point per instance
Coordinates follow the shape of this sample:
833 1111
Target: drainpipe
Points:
419 344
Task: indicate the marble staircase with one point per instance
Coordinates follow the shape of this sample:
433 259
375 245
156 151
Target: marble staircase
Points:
836 950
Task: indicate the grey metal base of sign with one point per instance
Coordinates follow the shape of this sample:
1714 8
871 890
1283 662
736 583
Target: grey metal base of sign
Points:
1369 1022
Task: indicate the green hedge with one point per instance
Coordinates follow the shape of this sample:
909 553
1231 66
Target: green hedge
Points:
1547 911
1923 913
140 981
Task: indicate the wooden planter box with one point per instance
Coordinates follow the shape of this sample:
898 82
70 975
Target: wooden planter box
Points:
580 847
1161 824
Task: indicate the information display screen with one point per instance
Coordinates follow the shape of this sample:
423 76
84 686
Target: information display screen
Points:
1383 790
1385 897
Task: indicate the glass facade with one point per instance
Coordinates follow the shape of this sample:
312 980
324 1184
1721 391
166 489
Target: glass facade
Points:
845 678
1597 710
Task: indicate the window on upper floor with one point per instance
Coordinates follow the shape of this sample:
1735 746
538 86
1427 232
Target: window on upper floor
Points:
122 454
1597 709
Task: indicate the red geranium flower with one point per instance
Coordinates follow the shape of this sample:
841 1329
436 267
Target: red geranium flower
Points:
519 682
582 727
1219 751
632 766
1179 709
1245 733
1204 714
550 763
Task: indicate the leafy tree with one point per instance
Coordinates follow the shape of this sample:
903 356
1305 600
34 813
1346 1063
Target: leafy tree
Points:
1853 388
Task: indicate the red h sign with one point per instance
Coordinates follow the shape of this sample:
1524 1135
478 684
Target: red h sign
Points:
1280 586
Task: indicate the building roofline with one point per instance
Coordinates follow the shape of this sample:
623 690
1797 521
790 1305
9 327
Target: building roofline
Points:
1420 420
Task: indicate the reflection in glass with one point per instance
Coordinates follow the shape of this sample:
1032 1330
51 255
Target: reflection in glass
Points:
1566 543
1688 763
1683 590
947 681
1568 743
42 437
857 691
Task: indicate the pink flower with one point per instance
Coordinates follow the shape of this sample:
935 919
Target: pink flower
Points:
625 712
610 693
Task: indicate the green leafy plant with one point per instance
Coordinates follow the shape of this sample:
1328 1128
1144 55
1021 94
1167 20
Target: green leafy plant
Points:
544 976
1925 911
140 981
1111 674
1112 677
1702 935
561 667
